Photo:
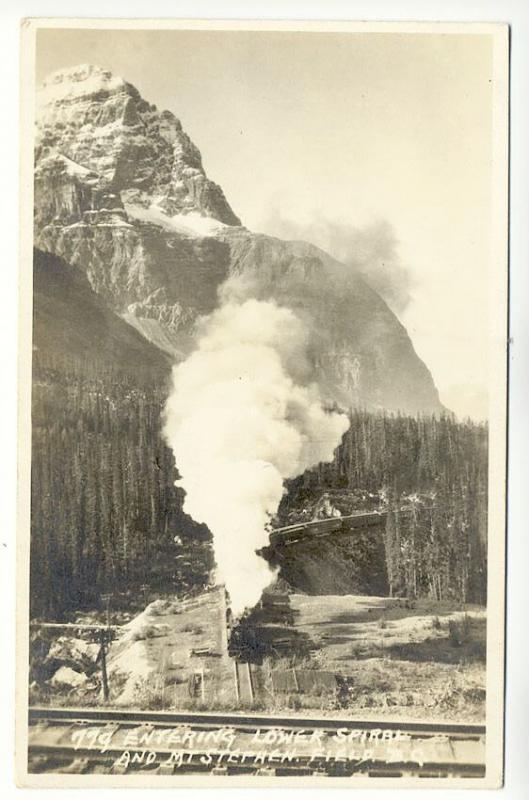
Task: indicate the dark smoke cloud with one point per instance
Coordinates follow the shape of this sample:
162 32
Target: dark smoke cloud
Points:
372 250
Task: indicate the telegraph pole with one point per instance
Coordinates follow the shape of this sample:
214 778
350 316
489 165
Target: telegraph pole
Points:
103 657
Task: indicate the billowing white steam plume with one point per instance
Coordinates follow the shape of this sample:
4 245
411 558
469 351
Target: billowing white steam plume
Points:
241 417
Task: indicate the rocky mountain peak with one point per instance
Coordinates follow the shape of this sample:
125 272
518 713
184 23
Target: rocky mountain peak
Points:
97 137
121 194
82 80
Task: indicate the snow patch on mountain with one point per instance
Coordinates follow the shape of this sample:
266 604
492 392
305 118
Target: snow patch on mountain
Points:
102 123
191 224
85 80
121 194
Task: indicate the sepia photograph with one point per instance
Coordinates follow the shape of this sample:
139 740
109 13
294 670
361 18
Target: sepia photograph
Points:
263 359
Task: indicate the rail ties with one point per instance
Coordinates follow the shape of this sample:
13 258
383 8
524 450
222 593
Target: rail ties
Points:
97 740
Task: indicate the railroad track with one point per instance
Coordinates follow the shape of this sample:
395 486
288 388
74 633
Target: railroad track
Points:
84 741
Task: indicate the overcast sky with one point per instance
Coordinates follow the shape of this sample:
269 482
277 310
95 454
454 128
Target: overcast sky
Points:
348 129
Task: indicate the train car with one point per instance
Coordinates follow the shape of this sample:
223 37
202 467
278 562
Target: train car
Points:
315 529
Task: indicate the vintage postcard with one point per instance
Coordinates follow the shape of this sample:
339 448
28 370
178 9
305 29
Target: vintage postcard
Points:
263 333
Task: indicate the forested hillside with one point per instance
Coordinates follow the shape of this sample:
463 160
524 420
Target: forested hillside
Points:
106 516
431 474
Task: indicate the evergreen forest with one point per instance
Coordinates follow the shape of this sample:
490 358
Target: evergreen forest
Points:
107 519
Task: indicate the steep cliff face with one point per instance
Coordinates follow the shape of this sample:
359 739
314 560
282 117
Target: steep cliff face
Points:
120 192
72 324
361 354
100 122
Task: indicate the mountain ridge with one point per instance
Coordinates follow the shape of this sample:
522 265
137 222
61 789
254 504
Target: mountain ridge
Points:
72 323
120 193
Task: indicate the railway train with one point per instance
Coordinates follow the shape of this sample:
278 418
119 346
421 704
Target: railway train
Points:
331 526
